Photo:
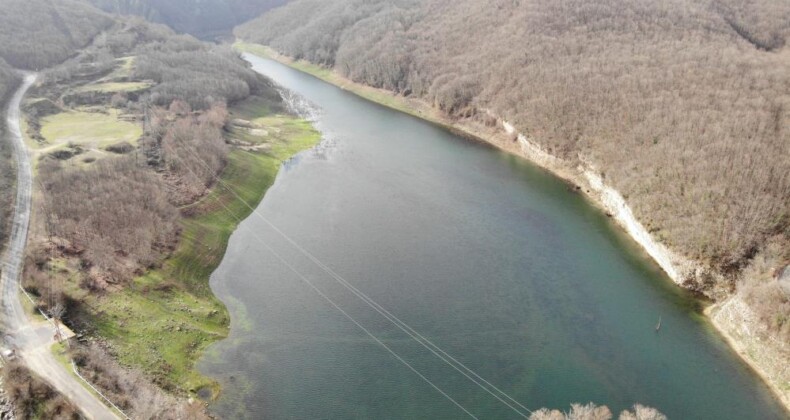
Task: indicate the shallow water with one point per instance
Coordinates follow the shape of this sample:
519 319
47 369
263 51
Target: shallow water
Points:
496 262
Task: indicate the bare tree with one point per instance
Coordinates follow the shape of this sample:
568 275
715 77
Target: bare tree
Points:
591 411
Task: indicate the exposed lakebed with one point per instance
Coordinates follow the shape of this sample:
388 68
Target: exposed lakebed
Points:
495 261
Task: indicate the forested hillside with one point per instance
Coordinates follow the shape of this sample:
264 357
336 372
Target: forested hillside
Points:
50 32
202 18
683 106
126 126
8 83
139 69
129 137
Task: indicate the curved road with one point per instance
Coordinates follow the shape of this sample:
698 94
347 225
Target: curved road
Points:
33 340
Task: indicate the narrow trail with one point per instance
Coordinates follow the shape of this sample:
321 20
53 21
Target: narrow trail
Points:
31 339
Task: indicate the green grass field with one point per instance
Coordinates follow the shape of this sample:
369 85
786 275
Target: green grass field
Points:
117 80
166 319
115 87
90 129
123 71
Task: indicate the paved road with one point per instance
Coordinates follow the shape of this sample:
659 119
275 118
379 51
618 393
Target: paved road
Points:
33 340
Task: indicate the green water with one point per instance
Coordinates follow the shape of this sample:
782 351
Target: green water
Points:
498 263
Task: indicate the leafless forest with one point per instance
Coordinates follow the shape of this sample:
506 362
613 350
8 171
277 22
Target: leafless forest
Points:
118 216
683 106
8 82
591 411
51 31
34 398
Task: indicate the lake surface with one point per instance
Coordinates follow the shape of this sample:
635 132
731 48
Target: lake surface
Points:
499 264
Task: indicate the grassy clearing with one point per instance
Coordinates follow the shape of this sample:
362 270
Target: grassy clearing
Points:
284 135
123 71
61 353
30 309
88 129
109 87
167 317
117 80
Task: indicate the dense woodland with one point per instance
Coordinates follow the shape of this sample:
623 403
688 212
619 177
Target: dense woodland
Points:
683 106
9 80
51 31
202 18
118 216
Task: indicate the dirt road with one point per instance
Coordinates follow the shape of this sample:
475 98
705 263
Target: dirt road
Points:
33 340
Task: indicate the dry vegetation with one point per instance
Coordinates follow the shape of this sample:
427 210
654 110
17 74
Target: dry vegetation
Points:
33 398
8 83
119 215
186 69
114 215
128 389
592 412
50 32
683 106
109 208
193 149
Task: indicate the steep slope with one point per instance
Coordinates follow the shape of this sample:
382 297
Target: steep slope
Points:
682 107
125 127
129 138
674 114
50 32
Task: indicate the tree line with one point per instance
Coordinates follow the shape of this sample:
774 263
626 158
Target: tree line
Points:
113 219
35 34
9 81
682 106
120 215
684 114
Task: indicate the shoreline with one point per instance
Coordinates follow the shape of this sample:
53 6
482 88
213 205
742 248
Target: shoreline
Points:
503 136
186 310
741 347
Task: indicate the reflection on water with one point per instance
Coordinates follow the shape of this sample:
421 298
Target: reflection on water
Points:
499 264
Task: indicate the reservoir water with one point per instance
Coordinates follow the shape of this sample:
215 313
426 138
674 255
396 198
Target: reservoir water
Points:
499 264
